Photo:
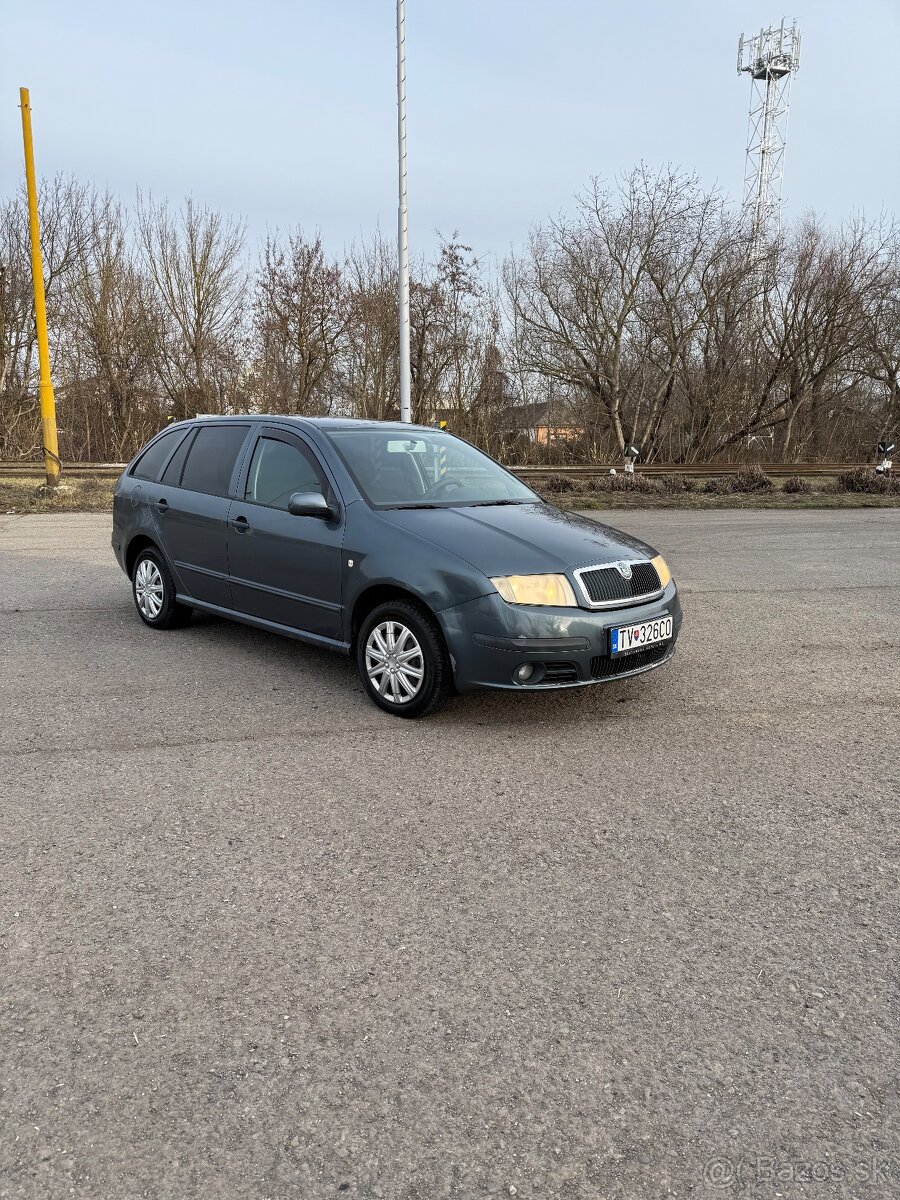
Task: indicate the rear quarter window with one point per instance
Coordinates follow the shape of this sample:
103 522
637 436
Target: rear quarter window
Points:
172 473
154 458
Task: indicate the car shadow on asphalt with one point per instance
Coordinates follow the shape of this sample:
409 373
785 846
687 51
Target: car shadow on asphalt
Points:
477 709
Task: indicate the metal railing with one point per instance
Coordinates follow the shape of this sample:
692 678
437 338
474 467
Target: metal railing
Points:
526 471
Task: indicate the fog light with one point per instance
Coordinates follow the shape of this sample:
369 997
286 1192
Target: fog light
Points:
524 673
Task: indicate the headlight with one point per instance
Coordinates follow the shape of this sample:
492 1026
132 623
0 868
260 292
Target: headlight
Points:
662 570
554 590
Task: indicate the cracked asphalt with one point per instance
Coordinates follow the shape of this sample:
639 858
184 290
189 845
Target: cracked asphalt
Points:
639 940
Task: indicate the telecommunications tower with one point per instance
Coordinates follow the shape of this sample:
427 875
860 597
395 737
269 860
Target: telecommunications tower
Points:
771 58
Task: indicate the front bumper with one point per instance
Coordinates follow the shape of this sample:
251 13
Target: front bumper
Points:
488 639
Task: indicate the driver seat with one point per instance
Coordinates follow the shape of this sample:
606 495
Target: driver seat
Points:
395 479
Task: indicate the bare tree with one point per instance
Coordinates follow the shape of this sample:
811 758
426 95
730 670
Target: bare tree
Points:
65 231
879 359
18 382
369 366
816 325
301 314
607 303
642 317
115 322
194 258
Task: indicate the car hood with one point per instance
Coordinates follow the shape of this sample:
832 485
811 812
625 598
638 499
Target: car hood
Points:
518 539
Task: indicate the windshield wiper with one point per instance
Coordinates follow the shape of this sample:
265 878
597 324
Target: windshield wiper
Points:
496 503
402 506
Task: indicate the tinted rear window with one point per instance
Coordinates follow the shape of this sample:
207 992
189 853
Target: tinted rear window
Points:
173 471
149 465
212 457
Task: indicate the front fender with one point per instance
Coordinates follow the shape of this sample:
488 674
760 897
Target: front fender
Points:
401 560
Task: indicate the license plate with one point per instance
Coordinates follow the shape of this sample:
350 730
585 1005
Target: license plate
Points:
636 637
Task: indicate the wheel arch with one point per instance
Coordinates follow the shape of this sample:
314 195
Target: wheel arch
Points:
139 542
381 593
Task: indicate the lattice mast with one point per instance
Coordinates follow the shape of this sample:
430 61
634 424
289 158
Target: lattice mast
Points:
771 58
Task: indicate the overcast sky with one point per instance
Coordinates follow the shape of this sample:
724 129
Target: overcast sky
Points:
284 112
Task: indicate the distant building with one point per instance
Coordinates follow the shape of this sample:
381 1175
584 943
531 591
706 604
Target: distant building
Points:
542 422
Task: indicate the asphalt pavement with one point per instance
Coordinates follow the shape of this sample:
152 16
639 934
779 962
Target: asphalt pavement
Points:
635 940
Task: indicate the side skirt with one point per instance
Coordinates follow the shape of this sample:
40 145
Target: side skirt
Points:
299 635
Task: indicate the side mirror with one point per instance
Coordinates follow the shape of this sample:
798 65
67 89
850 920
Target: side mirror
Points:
310 504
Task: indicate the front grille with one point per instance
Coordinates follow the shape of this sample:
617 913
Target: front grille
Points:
606 586
605 668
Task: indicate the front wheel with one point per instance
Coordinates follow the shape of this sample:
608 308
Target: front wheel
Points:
154 592
403 661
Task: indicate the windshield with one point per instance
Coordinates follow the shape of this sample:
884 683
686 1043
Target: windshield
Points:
424 469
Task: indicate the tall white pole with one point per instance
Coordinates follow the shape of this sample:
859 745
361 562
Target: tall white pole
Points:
403 217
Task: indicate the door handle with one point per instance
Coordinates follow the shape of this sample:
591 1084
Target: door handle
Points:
240 524
162 504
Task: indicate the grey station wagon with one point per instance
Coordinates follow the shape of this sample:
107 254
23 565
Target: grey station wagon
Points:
401 545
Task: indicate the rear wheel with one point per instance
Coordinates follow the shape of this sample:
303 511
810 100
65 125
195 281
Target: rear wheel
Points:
403 661
154 592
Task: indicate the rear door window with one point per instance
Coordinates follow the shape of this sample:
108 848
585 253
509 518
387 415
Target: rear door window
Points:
152 461
211 459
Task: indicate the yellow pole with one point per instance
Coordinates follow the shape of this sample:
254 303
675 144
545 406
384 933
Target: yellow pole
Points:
48 403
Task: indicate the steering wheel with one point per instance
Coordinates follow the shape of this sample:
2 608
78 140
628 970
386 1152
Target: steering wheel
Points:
450 484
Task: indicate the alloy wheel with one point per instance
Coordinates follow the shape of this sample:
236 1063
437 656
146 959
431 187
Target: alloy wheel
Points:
149 590
395 663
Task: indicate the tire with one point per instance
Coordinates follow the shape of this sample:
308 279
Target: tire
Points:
153 589
418 656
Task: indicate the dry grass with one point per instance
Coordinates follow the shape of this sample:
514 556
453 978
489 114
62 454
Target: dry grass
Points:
93 494
28 495
698 500
750 489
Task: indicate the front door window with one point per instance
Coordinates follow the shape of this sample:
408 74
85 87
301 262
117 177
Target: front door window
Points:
277 470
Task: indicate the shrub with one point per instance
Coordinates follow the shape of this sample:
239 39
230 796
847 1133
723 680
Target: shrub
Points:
747 480
555 485
864 479
796 485
752 479
860 479
722 485
676 485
